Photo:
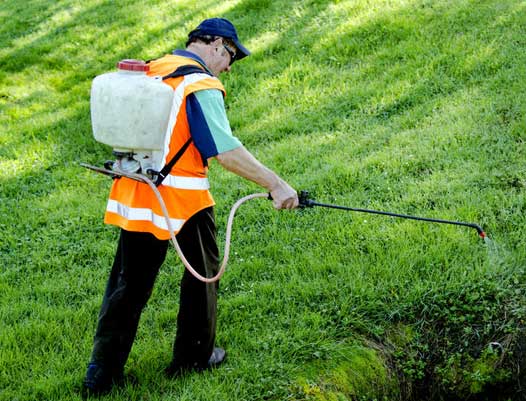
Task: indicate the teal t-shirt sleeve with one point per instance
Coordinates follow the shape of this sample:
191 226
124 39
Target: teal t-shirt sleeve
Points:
213 108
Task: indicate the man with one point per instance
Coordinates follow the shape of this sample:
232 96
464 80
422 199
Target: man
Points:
199 126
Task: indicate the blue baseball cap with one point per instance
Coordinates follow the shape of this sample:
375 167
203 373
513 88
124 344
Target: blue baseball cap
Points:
224 28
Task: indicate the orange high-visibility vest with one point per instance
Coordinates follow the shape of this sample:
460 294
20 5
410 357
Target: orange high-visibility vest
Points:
132 205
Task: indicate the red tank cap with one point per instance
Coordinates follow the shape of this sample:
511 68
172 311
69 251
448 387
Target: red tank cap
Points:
133 65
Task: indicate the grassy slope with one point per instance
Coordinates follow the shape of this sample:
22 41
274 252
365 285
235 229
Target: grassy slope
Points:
408 106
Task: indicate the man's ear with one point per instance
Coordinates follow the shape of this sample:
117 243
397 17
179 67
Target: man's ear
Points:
218 42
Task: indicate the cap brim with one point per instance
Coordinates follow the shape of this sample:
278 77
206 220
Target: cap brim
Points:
242 51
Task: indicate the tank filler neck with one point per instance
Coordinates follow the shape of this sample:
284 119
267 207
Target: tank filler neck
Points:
131 65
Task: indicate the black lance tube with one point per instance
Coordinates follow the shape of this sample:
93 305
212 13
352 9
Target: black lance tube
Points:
306 202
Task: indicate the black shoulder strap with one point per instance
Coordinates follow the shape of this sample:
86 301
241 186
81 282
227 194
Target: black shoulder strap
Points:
179 72
186 70
166 169
183 70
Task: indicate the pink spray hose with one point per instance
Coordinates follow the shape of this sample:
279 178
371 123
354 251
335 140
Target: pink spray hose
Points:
228 235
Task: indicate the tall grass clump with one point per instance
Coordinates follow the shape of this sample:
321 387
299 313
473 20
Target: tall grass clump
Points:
410 106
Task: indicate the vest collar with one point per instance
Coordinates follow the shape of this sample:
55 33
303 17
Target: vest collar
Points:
193 56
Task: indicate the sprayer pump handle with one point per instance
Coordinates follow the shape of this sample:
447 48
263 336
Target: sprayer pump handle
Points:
303 197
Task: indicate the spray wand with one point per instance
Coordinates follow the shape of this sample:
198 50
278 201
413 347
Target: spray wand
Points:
306 202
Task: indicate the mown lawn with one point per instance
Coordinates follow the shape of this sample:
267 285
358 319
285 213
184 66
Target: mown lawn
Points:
409 106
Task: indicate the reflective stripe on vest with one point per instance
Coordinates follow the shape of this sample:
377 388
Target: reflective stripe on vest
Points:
142 214
186 182
179 95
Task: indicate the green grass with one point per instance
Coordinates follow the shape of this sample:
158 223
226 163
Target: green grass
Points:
411 106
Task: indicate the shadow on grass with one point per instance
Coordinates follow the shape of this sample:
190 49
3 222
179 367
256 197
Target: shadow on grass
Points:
378 44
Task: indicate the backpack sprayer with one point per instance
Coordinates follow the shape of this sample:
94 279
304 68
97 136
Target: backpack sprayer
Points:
130 112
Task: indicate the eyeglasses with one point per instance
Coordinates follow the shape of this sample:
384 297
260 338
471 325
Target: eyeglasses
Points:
230 51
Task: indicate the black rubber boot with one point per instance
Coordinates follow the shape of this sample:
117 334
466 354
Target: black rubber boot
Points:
100 380
217 358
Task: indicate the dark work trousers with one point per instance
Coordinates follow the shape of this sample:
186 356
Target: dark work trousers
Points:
137 262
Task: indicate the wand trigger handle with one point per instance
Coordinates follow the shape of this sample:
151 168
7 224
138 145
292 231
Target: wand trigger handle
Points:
303 197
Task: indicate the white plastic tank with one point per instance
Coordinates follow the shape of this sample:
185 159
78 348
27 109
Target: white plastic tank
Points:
129 109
